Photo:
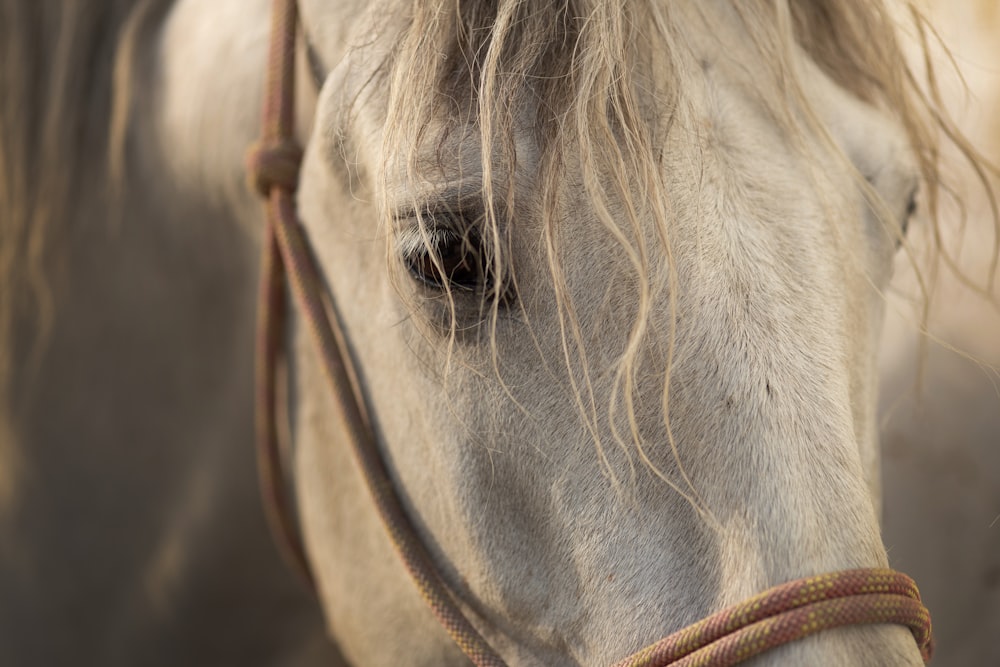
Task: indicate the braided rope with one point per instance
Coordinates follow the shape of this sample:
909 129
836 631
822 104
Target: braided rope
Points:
777 616
789 612
268 170
287 260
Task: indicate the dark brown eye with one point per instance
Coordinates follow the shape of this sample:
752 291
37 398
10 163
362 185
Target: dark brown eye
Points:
450 260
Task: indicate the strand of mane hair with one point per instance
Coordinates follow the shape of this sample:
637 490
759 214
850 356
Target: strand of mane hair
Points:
58 63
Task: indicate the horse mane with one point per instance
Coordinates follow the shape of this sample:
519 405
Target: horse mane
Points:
57 95
567 53
590 69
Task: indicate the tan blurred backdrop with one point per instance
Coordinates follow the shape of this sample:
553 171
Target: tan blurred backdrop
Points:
941 410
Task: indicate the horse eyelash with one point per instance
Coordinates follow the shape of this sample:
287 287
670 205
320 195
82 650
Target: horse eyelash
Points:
423 247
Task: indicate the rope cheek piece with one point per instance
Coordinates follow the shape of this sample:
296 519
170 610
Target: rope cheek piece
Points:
778 616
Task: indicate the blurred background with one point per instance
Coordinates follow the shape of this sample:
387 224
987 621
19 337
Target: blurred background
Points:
941 393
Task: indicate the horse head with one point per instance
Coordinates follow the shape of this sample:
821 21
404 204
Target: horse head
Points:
612 278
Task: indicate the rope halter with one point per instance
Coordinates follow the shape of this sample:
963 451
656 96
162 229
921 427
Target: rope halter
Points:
778 616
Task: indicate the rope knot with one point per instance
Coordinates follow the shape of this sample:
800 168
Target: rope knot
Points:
274 164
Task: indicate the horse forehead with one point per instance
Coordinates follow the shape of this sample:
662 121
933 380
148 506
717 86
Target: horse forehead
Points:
723 89
727 67
356 41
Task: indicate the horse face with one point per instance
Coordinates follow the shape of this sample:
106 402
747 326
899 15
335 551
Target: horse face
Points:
580 505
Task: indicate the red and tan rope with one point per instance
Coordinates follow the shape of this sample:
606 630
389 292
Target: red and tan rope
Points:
789 612
778 616
287 260
273 165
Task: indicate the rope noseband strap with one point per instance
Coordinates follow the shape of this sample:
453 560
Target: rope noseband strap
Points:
778 616
791 611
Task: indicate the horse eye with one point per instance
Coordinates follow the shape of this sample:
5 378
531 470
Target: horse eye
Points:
449 260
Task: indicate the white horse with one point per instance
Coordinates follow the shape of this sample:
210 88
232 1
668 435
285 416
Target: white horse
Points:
613 275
